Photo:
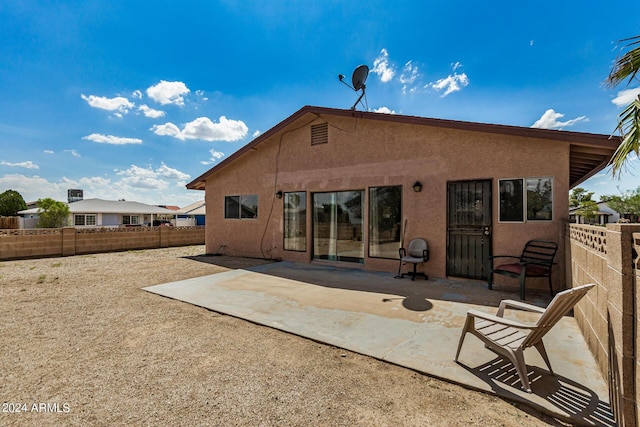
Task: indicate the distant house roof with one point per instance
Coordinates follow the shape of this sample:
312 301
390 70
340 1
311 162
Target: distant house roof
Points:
197 208
170 207
110 206
603 208
589 153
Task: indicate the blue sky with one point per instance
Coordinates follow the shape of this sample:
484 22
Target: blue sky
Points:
134 99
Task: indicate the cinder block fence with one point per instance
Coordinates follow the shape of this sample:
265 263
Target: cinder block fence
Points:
35 243
609 314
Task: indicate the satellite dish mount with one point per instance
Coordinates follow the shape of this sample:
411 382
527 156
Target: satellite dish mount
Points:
358 79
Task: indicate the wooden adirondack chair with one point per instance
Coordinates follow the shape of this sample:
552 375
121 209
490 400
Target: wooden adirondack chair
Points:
510 337
536 260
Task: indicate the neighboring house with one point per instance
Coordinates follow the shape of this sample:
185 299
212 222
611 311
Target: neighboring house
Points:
107 213
193 214
332 185
604 215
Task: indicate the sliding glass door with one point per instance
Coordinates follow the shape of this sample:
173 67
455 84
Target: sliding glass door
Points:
338 226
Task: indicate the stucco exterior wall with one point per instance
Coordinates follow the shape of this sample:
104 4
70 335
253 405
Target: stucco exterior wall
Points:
365 153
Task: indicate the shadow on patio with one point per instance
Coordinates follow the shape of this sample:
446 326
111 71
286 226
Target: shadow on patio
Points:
415 324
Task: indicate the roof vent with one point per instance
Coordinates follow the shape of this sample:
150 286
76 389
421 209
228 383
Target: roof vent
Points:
319 134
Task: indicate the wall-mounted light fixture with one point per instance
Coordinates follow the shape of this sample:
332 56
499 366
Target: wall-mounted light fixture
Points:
417 187
279 194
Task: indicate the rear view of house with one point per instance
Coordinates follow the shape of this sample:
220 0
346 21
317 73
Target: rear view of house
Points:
343 186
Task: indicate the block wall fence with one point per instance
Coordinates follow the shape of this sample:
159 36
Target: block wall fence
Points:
609 314
68 241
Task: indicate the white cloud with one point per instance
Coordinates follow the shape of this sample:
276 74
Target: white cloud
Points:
171 173
625 97
119 104
204 129
549 120
408 77
215 156
200 93
382 68
256 134
171 192
74 153
110 139
150 112
28 164
49 152
137 94
168 92
450 84
384 110
148 178
167 129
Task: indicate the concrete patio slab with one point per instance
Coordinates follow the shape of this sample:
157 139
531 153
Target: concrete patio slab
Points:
415 324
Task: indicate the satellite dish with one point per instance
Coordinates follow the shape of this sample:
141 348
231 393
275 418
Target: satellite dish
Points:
358 79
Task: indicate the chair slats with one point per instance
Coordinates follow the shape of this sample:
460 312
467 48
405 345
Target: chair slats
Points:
511 341
538 255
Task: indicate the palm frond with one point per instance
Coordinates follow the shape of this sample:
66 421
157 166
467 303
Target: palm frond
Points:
629 128
626 66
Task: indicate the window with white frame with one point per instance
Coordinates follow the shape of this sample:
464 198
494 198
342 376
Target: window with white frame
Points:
526 199
84 219
131 219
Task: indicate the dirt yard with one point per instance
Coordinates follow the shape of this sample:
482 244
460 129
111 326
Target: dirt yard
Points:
83 345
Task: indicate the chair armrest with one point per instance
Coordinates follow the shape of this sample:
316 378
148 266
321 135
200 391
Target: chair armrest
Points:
517 304
541 264
491 258
425 254
402 252
503 256
500 320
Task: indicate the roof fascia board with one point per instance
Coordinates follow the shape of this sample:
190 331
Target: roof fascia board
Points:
576 138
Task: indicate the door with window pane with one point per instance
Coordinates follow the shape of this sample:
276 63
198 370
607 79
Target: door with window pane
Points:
338 226
468 228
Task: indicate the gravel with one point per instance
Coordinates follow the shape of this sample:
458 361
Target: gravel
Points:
82 345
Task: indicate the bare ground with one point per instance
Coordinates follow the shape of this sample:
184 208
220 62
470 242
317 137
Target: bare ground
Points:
82 344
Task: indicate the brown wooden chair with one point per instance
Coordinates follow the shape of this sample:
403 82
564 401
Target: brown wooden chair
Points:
509 338
536 260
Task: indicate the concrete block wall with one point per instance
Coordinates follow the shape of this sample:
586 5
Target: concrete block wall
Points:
608 315
636 266
116 239
182 236
30 243
68 241
587 259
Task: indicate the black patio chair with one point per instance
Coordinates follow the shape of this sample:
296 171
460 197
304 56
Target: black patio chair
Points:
536 260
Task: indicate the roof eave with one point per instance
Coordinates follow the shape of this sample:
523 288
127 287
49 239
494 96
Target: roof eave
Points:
577 139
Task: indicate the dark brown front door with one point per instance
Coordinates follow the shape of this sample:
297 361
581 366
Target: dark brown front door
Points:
468 228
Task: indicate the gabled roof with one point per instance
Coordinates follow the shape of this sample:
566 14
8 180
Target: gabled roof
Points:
197 208
589 153
110 206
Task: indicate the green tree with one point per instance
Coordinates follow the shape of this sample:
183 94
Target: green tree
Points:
628 203
588 210
626 67
53 214
579 196
11 202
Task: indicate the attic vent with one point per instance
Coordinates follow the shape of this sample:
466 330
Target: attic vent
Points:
319 134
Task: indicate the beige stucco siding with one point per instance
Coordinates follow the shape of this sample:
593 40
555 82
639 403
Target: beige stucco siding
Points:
367 153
